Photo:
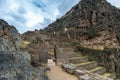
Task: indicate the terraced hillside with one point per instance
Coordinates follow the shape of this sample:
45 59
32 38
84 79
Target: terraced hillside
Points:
87 21
84 63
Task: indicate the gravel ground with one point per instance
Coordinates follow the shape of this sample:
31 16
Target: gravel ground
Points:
56 73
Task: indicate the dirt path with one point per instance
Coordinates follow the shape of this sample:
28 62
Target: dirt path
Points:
56 73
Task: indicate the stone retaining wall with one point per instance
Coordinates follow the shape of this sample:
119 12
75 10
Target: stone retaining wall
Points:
109 58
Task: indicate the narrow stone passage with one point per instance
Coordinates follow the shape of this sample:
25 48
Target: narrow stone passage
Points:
56 73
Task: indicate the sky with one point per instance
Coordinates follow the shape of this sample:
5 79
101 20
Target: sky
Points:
36 14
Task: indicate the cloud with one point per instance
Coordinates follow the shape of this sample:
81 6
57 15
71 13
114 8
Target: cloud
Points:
32 20
115 2
35 14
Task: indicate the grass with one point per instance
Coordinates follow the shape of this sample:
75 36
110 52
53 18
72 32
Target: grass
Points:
24 44
51 52
106 74
78 57
118 78
85 63
97 68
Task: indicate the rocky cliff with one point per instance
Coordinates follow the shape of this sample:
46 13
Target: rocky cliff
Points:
10 39
87 20
15 64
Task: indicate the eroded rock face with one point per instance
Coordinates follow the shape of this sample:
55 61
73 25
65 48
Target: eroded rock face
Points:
15 66
38 74
10 39
104 40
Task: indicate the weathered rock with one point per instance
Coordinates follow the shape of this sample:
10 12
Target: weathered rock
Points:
39 74
1 48
79 72
92 77
15 66
86 75
108 58
104 40
70 68
10 39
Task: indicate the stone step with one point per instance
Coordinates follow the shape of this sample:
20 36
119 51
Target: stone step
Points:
67 49
98 70
74 54
70 68
51 54
87 65
75 60
117 79
64 45
109 75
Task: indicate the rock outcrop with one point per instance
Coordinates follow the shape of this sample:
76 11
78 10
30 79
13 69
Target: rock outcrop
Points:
10 39
15 66
101 42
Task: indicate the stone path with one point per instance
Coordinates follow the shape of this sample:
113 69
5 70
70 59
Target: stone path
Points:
56 73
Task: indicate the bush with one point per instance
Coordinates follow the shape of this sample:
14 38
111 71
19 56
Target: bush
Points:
91 33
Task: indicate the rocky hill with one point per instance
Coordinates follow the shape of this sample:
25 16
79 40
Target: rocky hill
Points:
10 39
87 20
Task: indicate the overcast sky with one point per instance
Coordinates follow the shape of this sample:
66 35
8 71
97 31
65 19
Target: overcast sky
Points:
35 14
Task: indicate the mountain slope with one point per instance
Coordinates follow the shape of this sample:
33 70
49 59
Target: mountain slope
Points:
89 13
87 20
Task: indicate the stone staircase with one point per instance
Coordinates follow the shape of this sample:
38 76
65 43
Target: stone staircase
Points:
83 62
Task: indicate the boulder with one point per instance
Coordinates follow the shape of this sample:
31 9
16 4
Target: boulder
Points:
70 68
79 72
15 66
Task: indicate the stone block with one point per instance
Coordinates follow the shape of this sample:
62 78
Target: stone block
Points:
70 68
79 72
